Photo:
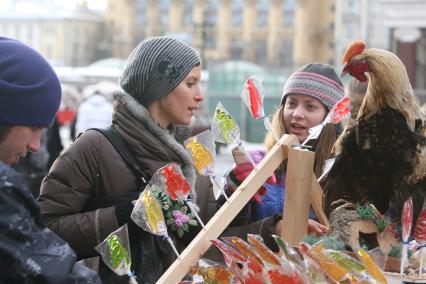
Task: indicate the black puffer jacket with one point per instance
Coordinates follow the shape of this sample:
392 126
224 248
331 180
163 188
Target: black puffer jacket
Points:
30 252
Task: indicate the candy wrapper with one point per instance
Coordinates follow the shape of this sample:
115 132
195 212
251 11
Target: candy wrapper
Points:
288 251
212 273
420 234
339 112
406 223
252 95
115 252
371 266
203 154
148 215
225 129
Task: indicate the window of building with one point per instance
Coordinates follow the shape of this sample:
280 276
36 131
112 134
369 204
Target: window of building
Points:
261 50
211 13
237 13
262 13
288 12
187 19
163 10
236 49
286 53
210 42
140 12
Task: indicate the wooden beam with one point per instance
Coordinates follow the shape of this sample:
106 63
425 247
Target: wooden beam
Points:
297 193
228 211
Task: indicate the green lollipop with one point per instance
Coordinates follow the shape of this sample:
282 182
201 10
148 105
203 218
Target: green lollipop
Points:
117 251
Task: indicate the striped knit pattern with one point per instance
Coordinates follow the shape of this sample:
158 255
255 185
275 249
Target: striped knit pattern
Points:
326 90
155 67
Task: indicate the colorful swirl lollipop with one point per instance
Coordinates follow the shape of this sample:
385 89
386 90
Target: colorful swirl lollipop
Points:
406 223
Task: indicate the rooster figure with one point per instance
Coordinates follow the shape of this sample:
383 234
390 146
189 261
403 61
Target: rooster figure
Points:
381 159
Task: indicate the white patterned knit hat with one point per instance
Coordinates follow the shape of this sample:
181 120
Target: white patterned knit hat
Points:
316 80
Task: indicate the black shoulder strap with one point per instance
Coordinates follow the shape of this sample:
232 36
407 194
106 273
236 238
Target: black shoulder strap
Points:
120 145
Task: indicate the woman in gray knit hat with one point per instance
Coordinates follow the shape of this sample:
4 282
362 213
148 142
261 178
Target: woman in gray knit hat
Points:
308 96
88 191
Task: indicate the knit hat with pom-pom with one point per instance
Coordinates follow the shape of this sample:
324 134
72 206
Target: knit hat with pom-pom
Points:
316 80
30 92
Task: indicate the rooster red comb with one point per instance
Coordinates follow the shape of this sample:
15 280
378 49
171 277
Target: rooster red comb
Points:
356 47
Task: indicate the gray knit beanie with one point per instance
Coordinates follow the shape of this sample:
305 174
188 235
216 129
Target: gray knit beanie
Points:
316 80
155 67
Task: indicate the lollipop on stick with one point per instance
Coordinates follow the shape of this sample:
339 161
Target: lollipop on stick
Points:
115 252
226 130
148 215
171 179
406 222
202 151
339 112
252 95
420 234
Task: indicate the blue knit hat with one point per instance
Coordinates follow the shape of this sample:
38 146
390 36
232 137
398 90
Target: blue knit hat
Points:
316 80
30 92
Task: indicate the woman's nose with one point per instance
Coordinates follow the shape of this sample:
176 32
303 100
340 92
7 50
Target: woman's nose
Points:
199 95
298 112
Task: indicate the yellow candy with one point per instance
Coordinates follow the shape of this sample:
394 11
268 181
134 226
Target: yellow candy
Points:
226 123
371 266
200 155
153 213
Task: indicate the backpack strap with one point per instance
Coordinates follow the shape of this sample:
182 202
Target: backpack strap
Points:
120 145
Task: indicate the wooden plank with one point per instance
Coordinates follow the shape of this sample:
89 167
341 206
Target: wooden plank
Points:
297 192
228 211
315 199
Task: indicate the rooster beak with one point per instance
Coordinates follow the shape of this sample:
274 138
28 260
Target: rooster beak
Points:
345 71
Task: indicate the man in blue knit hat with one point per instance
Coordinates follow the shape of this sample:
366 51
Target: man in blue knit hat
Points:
30 94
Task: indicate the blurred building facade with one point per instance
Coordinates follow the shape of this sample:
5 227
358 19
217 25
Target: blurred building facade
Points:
64 37
395 25
272 33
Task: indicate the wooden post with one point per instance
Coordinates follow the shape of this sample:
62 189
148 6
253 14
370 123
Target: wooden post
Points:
229 210
297 194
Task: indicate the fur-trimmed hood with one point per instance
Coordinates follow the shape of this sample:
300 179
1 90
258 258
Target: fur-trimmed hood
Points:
127 109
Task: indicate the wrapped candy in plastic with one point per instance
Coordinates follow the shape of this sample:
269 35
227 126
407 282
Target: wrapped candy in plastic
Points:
203 154
252 95
288 251
263 251
170 178
276 271
148 215
115 252
212 273
338 112
225 129
229 253
328 265
371 266
420 234
243 248
406 223
202 150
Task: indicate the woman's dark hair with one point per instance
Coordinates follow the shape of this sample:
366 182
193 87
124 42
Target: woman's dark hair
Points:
4 130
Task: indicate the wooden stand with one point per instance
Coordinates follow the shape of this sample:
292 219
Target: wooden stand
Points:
239 199
297 190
